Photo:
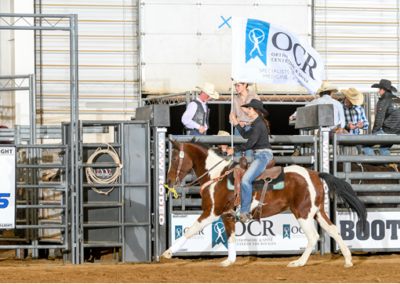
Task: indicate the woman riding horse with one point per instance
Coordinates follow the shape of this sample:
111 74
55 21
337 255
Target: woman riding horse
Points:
258 141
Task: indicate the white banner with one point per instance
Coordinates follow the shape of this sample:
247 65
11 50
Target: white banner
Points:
7 188
265 53
382 230
281 232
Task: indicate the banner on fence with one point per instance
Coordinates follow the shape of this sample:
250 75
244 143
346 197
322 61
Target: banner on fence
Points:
382 230
7 188
265 53
277 233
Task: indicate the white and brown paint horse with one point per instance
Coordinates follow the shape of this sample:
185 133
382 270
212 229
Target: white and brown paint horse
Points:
303 195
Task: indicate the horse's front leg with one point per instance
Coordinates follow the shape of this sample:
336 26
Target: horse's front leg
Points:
203 221
230 234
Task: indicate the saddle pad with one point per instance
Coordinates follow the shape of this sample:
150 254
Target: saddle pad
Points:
275 184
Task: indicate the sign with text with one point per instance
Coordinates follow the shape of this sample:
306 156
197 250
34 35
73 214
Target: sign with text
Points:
7 189
281 232
382 230
265 53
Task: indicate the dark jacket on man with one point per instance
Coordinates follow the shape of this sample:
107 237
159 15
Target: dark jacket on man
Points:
387 114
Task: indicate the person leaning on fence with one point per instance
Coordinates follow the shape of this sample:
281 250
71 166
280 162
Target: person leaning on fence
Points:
222 149
196 116
387 115
325 92
258 140
354 114
244 96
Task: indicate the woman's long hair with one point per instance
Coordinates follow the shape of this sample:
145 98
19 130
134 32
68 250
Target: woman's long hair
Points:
260 114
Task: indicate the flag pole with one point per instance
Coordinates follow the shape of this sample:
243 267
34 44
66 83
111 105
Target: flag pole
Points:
232 112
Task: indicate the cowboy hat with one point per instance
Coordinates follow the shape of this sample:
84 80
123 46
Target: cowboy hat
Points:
257 105
327 86
383 84
223 133
241 82
393 89
209 89
354 96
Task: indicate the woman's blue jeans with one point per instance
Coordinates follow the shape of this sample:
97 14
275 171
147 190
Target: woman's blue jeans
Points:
247 153
383 149
261 160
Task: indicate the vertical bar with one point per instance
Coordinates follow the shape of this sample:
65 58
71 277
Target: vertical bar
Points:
140 50
75 134
313 23
315 152
32 95
149 186
170 137
159 191
231 111
324 167
122 157
67 204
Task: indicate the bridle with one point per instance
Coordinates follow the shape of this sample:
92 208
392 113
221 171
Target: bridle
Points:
181 157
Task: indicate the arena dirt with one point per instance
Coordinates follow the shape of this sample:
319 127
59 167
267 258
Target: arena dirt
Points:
327 268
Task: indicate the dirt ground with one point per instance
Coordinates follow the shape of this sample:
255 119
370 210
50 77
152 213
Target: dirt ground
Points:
327 268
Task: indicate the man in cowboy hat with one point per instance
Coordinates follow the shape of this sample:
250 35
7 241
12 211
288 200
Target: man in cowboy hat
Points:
222 149
197 113
325 93
244 96
387 115
354 114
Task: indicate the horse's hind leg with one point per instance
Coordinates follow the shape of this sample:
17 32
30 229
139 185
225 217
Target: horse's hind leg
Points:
203 221
230 234
331 229
312 235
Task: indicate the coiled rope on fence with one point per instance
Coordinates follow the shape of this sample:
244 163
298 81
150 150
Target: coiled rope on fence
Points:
91 176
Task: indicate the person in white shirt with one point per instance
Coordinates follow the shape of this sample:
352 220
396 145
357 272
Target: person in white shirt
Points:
325 92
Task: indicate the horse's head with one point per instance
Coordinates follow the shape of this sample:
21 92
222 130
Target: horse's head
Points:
181 163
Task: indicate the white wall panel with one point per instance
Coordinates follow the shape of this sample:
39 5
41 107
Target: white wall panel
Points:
108 57
185 43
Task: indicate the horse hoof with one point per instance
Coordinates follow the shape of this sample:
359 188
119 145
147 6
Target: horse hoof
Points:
226 263
295 264
167 254
348 264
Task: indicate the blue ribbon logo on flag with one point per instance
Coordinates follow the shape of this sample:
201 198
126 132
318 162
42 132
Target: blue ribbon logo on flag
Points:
218 233
256 40
286 231
178 232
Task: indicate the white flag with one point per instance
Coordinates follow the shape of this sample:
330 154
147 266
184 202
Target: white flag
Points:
265 53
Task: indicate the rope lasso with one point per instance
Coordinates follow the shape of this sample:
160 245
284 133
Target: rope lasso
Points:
91 176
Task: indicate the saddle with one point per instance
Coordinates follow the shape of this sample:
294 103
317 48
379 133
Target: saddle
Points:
272 178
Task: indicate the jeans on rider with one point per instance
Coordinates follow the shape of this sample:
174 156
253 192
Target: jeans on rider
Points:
383 149
261 160
195 132
248 152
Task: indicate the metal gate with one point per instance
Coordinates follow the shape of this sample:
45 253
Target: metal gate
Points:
122 218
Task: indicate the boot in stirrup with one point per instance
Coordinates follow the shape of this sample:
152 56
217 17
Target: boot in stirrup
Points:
243 217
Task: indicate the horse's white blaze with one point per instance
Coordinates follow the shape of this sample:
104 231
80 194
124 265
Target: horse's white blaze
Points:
212 160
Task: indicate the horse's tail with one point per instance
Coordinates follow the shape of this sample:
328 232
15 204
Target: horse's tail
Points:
346 193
